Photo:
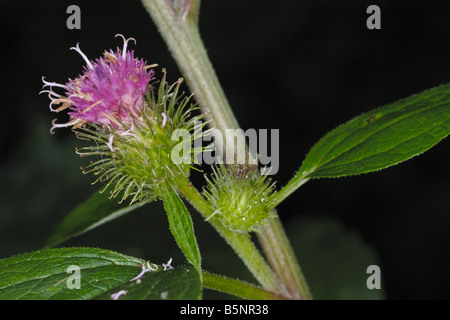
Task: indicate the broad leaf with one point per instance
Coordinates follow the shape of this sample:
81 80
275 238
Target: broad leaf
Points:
377 139
382 137
181 225
51 274
95 211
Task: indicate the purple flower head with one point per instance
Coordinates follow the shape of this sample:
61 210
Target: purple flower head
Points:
110 92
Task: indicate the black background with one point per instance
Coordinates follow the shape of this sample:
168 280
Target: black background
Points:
301 66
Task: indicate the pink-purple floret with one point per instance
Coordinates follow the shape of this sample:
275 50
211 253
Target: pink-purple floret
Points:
111 90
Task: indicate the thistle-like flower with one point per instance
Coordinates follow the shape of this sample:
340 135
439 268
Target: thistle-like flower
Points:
130 122
239 197
110 91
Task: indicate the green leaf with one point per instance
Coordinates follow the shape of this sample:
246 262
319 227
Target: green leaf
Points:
377 139
182 283
94 212
44 275
181 225
383 137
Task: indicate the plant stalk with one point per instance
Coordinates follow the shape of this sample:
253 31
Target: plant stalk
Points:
177 21
281 257
237 288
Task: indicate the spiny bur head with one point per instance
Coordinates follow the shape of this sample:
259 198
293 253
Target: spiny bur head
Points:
130 122
239 197
137 162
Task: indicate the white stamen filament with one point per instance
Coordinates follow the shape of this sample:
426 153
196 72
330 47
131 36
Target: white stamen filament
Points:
53 84
50 106
64 125
53 100
144 270
50 93
117 295
77 49
125 43
167 266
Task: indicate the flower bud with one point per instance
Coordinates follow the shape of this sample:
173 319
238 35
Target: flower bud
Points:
239 197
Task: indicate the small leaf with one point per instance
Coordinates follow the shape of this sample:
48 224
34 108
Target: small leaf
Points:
94 212
48 275
181 225
383 137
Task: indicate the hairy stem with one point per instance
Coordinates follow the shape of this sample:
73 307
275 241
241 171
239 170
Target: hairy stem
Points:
177 21
282 259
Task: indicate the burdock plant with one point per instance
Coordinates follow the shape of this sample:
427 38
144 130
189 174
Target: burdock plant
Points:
141 132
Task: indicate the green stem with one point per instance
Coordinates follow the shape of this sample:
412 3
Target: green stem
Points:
237 288
177 21
282 259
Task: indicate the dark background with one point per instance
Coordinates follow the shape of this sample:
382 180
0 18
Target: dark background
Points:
301 66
